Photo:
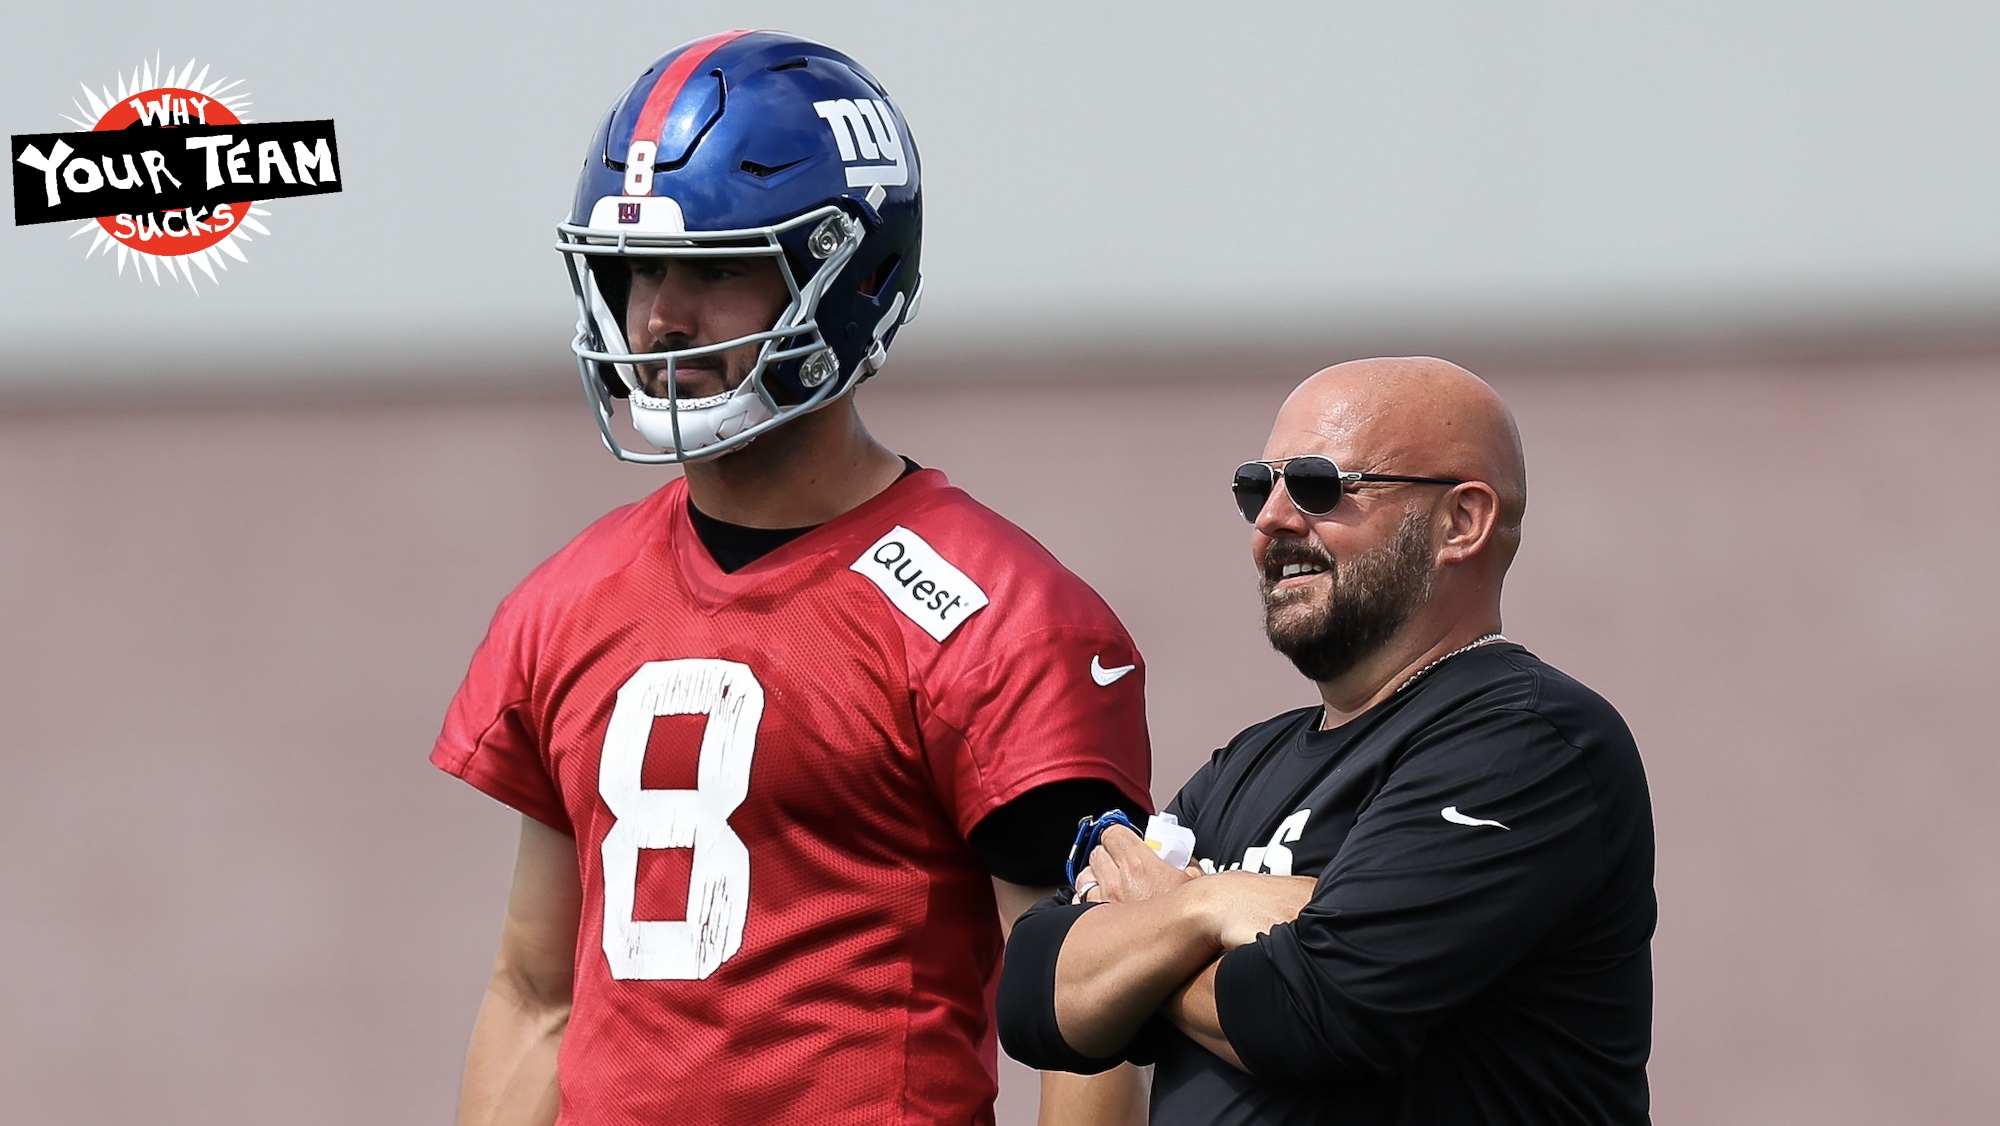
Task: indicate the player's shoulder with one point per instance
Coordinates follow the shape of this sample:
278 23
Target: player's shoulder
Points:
940 552
987 545
608 545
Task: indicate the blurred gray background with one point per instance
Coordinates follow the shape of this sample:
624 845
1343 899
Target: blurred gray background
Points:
1736 266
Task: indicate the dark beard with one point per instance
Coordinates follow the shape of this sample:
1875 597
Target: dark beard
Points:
1372 596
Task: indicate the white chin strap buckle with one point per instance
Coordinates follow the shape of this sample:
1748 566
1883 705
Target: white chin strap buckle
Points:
704 423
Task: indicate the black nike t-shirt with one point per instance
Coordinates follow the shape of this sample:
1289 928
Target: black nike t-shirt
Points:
1477 947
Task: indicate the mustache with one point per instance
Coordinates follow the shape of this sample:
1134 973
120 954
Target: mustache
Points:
656 373
697 363
1283 553
675 343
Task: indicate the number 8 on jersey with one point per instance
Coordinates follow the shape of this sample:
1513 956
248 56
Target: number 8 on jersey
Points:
728 693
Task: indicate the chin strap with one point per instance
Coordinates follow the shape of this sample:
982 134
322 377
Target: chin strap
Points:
896 316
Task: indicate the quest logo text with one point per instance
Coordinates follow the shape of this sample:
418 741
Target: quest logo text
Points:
919 582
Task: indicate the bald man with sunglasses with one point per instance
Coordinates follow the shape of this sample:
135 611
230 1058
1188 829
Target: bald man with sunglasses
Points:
1428 899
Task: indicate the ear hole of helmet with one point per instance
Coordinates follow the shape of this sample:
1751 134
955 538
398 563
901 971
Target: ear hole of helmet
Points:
880 277
613 279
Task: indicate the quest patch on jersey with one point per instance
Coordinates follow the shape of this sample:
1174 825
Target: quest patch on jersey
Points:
931 592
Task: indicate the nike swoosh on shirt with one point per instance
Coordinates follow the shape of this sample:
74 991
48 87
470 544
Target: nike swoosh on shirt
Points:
1450 813
1104 676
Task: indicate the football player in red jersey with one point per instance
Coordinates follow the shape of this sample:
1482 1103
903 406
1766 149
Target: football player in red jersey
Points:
795 737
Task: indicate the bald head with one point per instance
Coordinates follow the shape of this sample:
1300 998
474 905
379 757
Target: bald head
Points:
1360 593
1414 415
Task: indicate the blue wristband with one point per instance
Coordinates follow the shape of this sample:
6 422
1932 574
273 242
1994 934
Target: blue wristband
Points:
1088 832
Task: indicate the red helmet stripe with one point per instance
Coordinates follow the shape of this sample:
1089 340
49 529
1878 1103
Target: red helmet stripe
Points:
653 115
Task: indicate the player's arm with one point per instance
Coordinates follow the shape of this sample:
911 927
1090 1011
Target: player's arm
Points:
1113 1098
1061 709
1014 900
510 1069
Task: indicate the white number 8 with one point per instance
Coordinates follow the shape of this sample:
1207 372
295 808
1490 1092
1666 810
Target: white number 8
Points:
698 819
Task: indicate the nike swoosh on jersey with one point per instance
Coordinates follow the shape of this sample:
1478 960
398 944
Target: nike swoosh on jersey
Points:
1450 813
1103 676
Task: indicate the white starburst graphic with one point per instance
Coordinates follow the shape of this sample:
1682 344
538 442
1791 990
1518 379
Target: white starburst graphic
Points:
149 79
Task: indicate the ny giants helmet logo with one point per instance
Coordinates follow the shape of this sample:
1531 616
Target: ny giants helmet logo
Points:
865 130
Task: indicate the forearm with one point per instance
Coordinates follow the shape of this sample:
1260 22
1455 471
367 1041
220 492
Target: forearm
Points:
510 1069
1121 961
1192 1010
1113 1098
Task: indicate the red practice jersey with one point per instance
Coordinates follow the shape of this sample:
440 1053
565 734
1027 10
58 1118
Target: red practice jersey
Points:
771 775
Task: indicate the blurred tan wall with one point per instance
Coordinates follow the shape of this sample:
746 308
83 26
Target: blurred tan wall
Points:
233 891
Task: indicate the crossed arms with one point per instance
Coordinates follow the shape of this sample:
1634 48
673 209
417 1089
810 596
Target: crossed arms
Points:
1153 944
1344 977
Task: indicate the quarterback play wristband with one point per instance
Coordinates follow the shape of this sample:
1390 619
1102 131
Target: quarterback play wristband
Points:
1088 831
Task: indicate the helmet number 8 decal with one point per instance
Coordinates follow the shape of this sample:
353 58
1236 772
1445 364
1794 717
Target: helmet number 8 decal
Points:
718 901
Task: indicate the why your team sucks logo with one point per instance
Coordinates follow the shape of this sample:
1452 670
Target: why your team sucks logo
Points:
168 170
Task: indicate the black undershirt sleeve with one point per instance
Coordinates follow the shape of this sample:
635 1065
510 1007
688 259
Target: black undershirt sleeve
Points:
1027 840
1027 996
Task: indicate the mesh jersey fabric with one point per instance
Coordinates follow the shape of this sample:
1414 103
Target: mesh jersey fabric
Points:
782 920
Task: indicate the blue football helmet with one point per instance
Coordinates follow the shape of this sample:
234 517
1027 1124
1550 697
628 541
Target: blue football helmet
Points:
747 143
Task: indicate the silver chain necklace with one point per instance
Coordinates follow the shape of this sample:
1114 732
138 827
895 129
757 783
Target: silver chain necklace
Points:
1419 674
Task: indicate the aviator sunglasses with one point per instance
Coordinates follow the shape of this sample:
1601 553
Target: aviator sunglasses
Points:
1314 483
